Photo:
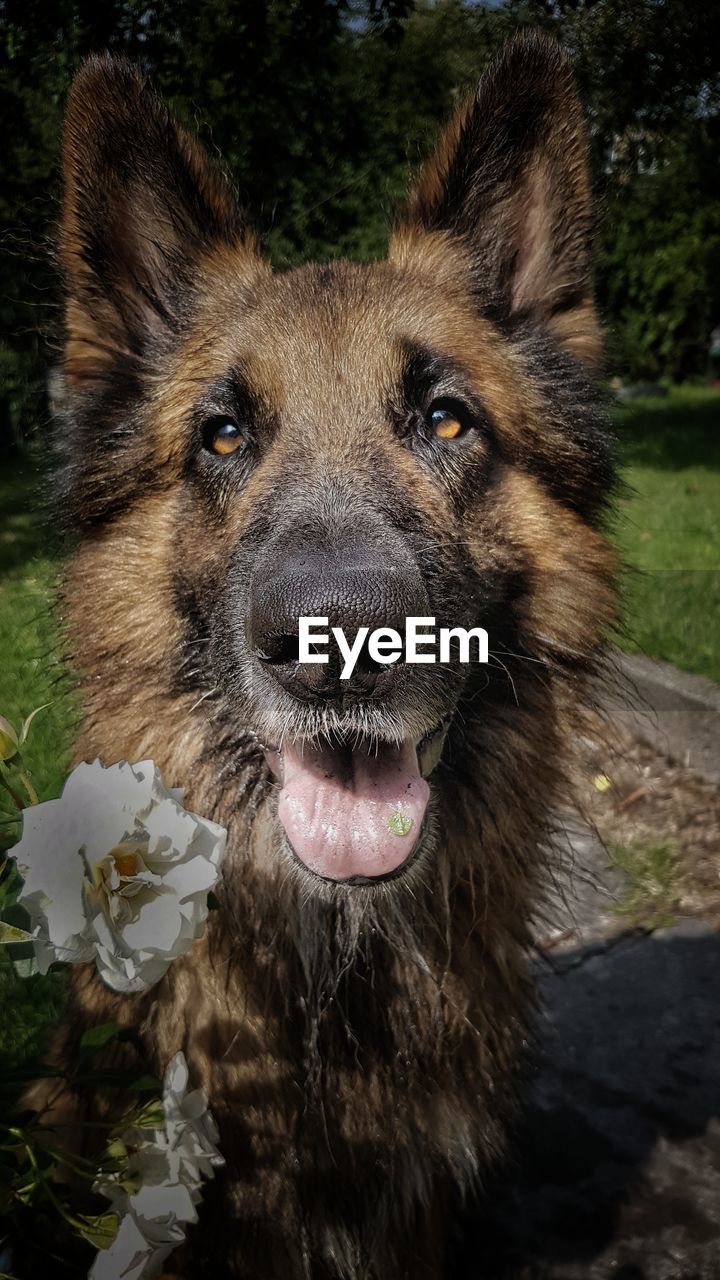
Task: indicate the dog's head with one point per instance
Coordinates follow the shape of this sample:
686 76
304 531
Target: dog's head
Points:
417 437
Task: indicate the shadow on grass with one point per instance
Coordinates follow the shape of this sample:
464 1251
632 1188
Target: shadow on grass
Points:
24 531
31 1007
682 430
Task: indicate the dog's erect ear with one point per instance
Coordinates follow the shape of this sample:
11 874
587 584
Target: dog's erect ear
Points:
141 204
509 183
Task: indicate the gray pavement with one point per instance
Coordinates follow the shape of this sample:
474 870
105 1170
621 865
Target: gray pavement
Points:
617 1164
616 1172
678 713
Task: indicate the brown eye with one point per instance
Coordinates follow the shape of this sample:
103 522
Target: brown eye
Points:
447 421
222 436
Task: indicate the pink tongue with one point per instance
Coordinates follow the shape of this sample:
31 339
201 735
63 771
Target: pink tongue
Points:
356 815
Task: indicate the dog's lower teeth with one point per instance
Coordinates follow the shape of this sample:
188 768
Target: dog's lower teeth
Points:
429 753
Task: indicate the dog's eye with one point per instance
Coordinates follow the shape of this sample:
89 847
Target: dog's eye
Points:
447 420
222 435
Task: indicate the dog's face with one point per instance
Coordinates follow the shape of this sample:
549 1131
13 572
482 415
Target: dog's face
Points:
416 437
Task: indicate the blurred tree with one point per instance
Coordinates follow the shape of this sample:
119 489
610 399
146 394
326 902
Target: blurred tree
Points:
650 74
319 107
272 85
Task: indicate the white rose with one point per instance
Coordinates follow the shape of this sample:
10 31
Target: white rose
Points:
156 1195
130 1256
116 871
191 1131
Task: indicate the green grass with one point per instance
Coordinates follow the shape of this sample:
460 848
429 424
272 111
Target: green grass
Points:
649 898
29 677
30 674
668 526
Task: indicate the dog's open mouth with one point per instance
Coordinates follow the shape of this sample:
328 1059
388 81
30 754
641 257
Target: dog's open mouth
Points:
354 812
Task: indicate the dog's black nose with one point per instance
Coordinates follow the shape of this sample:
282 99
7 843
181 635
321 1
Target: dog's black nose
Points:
358 584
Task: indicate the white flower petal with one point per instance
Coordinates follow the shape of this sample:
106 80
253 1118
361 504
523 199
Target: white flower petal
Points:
156 927
170 1162
192 877
176 1075
130 1256
167 823
53 871
160 1210
117 871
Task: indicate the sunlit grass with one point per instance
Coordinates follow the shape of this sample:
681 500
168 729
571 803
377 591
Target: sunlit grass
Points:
29 678
30 673
649 897
668 527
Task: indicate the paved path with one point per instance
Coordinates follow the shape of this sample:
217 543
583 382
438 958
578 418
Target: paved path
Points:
617 1171
678 713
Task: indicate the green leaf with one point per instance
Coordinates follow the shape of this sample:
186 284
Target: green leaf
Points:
15 913
146 1084
99 1231
6 783
8 740
23 952
27 722
11 933
119 1078
152 1116
96 1037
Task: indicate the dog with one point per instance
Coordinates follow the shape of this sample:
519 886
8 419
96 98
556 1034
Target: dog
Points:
420 436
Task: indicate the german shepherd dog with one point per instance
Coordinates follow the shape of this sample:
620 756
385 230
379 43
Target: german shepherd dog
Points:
243 447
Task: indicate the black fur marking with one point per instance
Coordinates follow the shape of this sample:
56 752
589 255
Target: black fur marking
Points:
476 172
192 670
576 457
467 465
215 478
230 394
429 375
99 476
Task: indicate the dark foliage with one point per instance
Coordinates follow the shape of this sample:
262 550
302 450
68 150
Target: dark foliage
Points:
320 106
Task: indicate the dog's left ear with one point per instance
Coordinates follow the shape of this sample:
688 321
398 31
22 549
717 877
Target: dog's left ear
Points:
508 184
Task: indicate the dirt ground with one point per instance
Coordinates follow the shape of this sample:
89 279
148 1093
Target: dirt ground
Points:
653 816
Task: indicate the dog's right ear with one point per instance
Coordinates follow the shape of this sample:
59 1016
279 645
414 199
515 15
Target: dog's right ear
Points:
142 204
508 188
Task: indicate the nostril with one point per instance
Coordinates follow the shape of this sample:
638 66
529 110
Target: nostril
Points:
367 665
279 650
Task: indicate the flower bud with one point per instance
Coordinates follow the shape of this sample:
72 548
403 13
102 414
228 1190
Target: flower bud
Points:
8 740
